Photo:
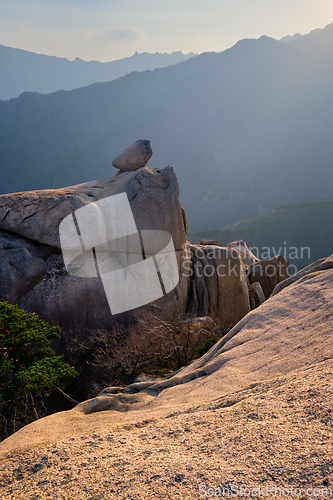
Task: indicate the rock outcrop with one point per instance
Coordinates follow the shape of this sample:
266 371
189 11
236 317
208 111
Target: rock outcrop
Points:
32 273
308 272
32 270
247 256
213 281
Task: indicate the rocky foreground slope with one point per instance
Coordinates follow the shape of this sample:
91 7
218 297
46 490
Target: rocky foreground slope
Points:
256 410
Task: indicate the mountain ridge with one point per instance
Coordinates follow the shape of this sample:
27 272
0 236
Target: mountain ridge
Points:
24 71
247 130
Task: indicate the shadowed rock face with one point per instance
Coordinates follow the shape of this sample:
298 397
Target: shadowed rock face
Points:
269 273
22 265
218 286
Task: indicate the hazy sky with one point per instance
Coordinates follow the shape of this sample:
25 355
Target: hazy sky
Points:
111 29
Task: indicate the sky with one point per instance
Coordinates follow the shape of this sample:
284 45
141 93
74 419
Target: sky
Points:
106 30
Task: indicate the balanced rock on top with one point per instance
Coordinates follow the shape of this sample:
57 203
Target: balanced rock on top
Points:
134 157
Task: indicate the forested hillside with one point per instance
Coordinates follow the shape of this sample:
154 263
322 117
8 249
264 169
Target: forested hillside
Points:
301 232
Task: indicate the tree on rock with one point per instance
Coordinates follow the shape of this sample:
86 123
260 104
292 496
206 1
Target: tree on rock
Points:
29 367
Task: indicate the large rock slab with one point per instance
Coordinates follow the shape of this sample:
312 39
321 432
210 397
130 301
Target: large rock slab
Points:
32 267
273 435
277 338
153 194
290 332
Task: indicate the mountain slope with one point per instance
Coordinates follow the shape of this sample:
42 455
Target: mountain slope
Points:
300 232
246 130
26 71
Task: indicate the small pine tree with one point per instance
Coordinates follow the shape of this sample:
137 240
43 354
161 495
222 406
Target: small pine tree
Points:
28 365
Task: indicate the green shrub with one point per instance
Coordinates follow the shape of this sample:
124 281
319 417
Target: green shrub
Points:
27 364
207 344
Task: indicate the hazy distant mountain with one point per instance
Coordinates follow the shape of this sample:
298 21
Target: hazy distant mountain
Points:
297 231
26 71
317 43
293 38
246 130
289 38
